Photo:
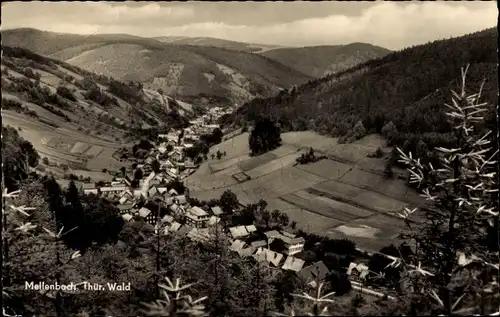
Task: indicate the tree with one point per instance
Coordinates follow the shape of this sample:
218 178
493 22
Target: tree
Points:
265 136
228 201
219 155
123 170
155 165
450 248
217 136
138 174
389 129
45 161
212 156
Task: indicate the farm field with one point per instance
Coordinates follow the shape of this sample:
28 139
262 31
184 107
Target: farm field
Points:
306 220
338 198
327 168
56 144
272 166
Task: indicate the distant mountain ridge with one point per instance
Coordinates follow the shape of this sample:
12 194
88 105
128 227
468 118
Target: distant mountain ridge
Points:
318 61
210 41
198 74
405 90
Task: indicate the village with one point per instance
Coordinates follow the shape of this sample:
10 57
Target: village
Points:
165 167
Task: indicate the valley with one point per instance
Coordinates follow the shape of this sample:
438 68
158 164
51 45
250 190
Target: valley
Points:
347 167
344 196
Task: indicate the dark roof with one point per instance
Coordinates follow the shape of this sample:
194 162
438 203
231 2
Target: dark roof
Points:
310 273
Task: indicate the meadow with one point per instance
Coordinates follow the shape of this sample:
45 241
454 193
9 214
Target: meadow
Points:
342 196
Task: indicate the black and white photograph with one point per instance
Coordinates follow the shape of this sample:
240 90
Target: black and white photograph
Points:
226 159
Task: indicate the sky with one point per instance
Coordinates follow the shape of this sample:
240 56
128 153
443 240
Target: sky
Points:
393 25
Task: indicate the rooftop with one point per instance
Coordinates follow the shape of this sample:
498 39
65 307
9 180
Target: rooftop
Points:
239 231
197 211
217 210
293 264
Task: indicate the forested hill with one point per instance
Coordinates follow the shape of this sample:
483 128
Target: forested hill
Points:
407 88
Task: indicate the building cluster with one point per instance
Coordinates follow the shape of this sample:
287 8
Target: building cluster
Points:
172 213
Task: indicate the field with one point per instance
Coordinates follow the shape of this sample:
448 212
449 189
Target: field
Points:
64 145
342 196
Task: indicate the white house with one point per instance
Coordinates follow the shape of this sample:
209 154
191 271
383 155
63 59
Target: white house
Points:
197 217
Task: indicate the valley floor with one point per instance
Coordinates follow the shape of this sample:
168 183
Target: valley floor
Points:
344 196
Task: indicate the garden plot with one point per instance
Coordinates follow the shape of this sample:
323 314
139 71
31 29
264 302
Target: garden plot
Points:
316 206
373 165
327 168
349 153
305 220
94 151
79 148
334 205
104 160
284 150
380 202
360 178
222 165
287 180
334 189
272 166
394 188
256 161
59 144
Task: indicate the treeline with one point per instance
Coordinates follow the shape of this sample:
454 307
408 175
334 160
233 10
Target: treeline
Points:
405 88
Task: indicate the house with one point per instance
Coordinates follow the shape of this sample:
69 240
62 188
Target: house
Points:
153 192
173 192
217 211
313 273
250 228
197 217
293 264
169 201
294 245
271 235
147 168
147 215
89 188
127 217
188 163
167 219
258 244
181 199
213 220
357 272
266 255
237 245
238 232
125 208
174 227
176 155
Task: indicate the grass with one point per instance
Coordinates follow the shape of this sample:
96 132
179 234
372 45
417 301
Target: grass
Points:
273 166
327 168
256 161
320 196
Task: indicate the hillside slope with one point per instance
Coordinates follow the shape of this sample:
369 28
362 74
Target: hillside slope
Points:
74 116
210 41
407 88
318 61
193 73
